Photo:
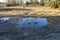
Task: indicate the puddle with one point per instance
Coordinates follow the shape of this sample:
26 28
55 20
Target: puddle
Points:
26 22
29 22
5 19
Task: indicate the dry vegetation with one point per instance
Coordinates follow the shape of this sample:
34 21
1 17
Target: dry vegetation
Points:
39 11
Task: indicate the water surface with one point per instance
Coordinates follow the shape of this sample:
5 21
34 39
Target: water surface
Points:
28 22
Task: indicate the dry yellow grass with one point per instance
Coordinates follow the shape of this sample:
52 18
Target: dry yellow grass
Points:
39 11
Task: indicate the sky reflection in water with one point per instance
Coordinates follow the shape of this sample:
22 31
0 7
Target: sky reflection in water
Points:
28 22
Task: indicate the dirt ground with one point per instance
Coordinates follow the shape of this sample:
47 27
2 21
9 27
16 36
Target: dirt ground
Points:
9 31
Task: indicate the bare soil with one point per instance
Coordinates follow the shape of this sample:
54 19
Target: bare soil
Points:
9 31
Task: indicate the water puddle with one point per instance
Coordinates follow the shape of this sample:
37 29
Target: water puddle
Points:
26 22
29 22
4 19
